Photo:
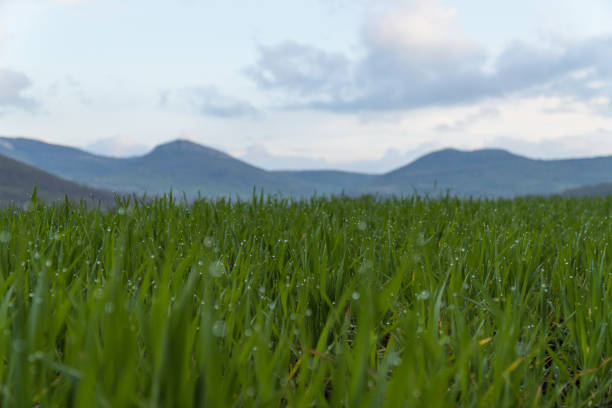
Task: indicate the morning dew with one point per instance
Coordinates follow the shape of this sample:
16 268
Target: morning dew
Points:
216 269
5 237
219 328
424 295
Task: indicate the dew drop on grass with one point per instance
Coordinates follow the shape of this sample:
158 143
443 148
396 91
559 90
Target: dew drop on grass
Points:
248 332
424 295
98 293
219 328
355 295
308 312
362 225
216 269
395 359
366 266
5 237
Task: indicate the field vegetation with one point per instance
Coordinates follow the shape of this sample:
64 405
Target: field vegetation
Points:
328 302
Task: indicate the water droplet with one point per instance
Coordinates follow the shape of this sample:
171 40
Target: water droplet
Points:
5 237
355 295
424 295
219 328
308 312
395 359
216 269
98 293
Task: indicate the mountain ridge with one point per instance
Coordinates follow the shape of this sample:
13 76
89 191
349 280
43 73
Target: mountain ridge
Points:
186 166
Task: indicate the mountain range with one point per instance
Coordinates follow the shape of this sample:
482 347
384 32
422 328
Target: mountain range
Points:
190 168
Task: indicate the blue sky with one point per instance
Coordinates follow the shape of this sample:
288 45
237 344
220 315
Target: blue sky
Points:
359 85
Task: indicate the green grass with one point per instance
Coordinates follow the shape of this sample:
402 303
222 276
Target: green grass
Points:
324 302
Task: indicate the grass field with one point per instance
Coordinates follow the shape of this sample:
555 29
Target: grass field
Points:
323 302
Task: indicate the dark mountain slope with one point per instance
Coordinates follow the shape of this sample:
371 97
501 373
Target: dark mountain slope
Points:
180 165
599 190
17 182
66 162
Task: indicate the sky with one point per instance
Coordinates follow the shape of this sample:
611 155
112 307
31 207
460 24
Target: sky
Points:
361 85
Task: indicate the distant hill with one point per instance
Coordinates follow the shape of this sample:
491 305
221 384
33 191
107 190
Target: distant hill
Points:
492 173
180 165
599 190
191 168
17 182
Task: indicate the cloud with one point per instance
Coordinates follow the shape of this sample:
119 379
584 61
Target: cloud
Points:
571 146
420 57
207 101
300 69
462 125
260 156
12 86
392 159
117 146
69 86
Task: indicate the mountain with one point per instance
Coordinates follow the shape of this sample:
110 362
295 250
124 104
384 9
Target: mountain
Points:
492 173
188 167
179 165
17 182
598 190
328 181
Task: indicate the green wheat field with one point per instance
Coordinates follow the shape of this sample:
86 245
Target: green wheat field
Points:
324 302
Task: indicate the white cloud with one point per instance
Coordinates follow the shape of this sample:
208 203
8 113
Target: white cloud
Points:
12 86
419 56
426 32
591 144
207 101
463 124
117 146
259 155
